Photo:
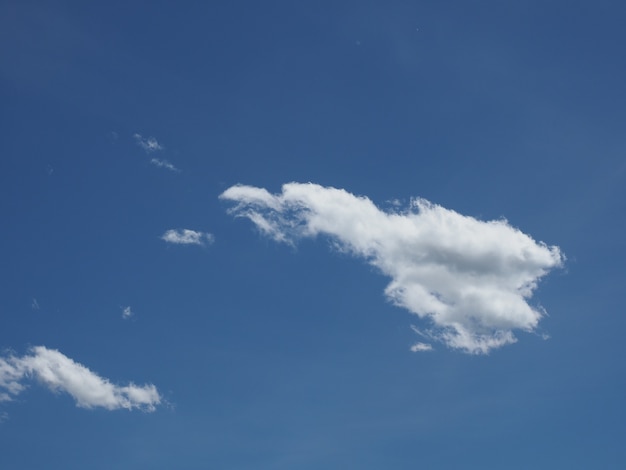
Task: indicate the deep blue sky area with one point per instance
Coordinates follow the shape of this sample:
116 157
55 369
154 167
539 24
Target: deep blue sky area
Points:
121 121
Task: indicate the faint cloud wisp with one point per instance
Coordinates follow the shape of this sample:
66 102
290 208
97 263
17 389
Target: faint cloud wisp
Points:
59 373
149 144
469 278
127 312
162 163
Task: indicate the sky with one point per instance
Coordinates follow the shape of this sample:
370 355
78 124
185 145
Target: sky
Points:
301 235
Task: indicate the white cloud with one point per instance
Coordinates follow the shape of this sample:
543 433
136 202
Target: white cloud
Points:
149 144
162 163
470 279
127 312
420 347
187 237
59 373
34 305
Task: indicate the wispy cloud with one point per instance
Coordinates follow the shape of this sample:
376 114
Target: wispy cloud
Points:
149 144
162 163
34 305
127 312
59 373
471 279
187 237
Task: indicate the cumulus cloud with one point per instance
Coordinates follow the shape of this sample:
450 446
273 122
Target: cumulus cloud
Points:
187 237
162 163
149 144
470 280
59 373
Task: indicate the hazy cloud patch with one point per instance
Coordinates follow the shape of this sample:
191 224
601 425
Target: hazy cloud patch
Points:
59 373
149 144
470 279
127 312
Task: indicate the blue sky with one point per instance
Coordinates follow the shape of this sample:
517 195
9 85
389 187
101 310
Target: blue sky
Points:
281 235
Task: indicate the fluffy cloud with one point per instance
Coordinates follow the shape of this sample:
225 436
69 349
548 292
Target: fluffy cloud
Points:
59 373
162 163
149 144
470 279
187 237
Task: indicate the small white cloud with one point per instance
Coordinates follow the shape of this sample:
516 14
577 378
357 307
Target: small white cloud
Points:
187 237
149 144
127 313
34 304
162 163
59 373
421 347
469 278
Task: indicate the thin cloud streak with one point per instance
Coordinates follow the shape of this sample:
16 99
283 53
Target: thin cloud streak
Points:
59 373
187 237
162 163
470 279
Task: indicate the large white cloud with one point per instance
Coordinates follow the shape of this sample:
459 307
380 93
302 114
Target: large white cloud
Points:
472 279
59 373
